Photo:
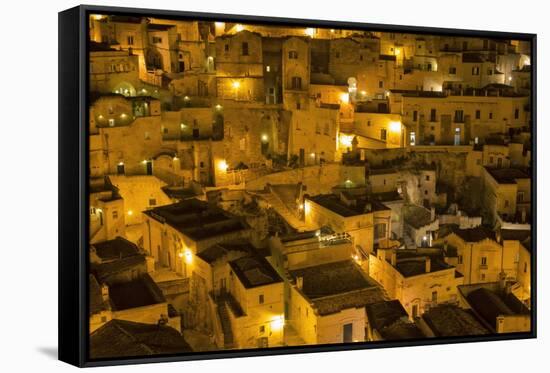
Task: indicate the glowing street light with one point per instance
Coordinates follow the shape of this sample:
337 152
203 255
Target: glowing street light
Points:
236 84
310 31
222 165
344 97
278 323
395 126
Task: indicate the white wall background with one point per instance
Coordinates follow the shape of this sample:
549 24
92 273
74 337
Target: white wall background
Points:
28 154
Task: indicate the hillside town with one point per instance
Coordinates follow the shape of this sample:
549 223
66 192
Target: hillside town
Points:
259 186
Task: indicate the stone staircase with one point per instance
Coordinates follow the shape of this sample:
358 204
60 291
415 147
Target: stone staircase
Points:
226 325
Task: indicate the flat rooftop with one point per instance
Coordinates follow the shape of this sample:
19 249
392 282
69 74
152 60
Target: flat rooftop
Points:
335 204
332 287
254 270
473 234
508 175
197 219
416 216
137 293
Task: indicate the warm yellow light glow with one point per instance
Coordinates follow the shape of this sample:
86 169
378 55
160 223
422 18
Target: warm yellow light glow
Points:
220 24
218 107
121 163
144 161
312 155
301 206
236 84
239 27
130 213
182 125
346 140
188 255
222 165
331 30
344 97
97 17
397 51
278 323
264 138
186 98
395 126
307 208
310 31
510 78
363 93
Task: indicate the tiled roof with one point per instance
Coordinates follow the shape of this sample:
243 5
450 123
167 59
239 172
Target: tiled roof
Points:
119 339
254 270
451 321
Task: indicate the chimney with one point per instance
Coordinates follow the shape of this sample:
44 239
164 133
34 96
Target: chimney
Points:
393 258
432 213
428 264
300 282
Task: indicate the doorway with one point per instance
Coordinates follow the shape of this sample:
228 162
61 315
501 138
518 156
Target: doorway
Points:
348 333
149 167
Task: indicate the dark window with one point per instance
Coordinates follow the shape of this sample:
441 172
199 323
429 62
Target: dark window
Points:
452 70
475 70
516 114
433 113
296 82
383 134
152 202
459 116
415 116
464 45
381 84
130 40
292 55
226 47
490 115
245 49
261 299
478 114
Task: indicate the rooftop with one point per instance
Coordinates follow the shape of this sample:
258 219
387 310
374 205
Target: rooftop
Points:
335 286
450 321
118 248
383 314
473 234
254 270
508 175
400 330
411 263
356 206
197 219
218 251
490 302
119 338
520 235
137 293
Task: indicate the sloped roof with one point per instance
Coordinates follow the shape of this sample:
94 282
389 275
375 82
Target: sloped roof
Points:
119 338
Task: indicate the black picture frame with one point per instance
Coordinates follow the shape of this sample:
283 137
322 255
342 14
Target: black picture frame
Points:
73 182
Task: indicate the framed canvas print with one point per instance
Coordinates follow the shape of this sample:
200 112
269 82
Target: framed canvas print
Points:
235 186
